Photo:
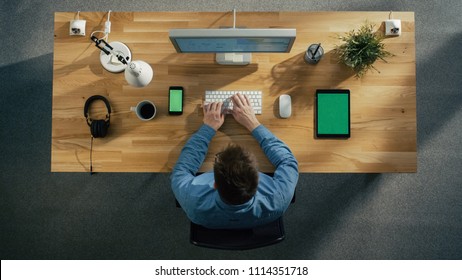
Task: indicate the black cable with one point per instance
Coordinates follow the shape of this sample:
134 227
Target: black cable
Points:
91 156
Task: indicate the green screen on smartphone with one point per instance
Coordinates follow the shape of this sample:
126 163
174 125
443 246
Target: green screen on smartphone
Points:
176 100
333 113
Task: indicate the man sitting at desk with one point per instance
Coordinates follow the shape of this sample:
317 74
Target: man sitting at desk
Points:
235 194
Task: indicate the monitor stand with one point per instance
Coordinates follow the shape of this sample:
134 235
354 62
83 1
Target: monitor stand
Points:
233 58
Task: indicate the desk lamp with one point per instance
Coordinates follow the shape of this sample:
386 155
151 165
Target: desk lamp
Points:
116 58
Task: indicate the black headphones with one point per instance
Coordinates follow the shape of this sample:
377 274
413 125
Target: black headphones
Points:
98 128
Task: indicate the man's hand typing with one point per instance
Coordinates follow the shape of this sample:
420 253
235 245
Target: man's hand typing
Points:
213 115
243 112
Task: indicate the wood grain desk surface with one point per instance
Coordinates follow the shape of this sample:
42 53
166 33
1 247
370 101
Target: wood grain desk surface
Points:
383 105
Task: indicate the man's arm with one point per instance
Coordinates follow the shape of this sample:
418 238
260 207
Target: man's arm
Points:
286 173
276 150
191 158
193 153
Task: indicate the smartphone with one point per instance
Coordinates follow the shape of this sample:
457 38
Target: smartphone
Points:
175 100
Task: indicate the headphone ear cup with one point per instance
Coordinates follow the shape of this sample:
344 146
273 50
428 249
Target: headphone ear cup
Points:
103 128
98 128
94 128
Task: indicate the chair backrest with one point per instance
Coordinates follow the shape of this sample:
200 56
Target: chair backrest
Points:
238 239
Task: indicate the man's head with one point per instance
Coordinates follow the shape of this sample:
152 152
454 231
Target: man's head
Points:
236 175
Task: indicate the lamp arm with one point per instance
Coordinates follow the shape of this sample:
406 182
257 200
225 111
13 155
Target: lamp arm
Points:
107 49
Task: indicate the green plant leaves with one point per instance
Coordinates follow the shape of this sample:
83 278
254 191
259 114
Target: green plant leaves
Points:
361 49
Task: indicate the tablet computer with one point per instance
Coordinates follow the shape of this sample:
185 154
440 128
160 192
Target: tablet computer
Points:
332 113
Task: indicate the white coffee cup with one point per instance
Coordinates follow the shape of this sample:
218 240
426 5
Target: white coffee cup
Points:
145 110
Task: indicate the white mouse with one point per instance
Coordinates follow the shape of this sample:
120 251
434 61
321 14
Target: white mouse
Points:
285 106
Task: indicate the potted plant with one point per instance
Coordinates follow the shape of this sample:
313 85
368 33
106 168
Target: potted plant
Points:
361 49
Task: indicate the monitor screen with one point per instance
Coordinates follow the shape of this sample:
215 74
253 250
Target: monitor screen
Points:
270 40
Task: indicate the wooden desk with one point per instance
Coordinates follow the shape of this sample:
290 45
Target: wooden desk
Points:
383 105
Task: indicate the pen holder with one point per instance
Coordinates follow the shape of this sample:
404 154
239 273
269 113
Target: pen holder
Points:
314 53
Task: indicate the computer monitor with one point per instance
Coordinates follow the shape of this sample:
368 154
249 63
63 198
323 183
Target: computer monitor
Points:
233 45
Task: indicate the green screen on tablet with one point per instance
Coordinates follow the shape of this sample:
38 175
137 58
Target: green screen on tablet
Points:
333 113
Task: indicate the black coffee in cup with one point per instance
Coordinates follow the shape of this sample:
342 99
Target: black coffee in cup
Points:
147 111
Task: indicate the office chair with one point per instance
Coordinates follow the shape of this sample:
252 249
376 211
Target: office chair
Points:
238 239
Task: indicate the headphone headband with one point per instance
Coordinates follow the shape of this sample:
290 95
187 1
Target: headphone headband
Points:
88 103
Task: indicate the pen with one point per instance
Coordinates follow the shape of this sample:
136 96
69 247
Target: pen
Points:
315 51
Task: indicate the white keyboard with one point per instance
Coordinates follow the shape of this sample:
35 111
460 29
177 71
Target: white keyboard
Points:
224 96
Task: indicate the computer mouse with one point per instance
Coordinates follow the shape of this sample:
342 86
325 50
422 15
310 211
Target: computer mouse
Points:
285 106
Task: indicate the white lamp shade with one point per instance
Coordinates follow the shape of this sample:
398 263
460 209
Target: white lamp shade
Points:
138 73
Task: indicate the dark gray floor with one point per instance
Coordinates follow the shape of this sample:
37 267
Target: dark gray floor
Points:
48 215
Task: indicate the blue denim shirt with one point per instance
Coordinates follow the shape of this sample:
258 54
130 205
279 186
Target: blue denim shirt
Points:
203 204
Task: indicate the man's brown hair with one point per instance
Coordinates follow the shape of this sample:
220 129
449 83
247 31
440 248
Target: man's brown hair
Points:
236 174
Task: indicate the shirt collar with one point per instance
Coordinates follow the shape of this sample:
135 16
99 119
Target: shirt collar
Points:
226 206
